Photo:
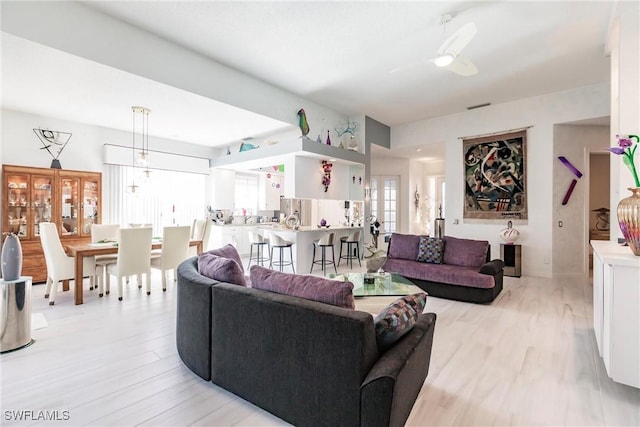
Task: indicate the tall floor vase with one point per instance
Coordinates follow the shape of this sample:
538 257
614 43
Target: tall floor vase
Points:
11 257
629 219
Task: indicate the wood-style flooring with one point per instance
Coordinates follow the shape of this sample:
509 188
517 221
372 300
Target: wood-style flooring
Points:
528 359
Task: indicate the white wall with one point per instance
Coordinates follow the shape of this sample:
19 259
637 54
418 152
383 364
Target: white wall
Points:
20 145
571 241
541 113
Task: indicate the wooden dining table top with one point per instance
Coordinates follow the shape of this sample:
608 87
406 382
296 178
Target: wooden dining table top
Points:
81 250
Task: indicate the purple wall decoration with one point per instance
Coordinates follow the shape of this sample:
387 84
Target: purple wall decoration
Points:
576 172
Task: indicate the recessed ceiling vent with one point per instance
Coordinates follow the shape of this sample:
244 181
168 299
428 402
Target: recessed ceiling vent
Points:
473 107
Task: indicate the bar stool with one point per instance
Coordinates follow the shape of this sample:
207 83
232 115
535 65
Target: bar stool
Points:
278 242
323 244
351 240
256 239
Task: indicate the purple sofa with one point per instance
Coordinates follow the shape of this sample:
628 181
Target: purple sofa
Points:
452 268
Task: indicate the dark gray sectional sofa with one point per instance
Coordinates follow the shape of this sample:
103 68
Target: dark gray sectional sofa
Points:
465 271
306 362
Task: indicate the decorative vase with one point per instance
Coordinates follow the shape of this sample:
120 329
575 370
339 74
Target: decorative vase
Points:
509 234
11 258
629 219
328 139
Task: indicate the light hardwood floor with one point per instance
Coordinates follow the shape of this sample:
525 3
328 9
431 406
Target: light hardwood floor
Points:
529 358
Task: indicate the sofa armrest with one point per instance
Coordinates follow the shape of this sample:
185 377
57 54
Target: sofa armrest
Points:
389 391
492 267
193 318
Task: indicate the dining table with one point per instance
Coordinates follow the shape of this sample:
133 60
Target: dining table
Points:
81 250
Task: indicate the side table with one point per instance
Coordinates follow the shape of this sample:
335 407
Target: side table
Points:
511 254
15 314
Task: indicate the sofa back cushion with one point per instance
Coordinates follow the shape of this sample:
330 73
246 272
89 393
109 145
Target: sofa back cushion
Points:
465 252
309 287
228 251
221 269
404 246
431 250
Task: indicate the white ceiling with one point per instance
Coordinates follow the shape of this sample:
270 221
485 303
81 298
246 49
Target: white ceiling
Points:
337 54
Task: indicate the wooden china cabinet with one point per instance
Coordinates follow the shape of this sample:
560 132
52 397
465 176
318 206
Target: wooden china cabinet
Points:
70 199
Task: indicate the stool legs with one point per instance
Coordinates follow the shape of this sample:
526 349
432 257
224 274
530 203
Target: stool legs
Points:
323 261
280 263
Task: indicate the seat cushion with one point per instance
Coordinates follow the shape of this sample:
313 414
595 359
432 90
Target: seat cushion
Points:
221 269
441 273
303 286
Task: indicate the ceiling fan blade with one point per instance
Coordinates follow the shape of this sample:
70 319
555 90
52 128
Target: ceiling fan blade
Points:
462 66
410 65
458 40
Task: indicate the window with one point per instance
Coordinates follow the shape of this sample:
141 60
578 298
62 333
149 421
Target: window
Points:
167 198
246 195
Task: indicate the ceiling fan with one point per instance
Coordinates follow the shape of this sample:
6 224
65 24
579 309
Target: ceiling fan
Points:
449 51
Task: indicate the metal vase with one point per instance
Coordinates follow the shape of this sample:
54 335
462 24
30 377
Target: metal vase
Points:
629 219
11 258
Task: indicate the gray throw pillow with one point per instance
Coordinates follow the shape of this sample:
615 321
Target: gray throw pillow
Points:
431 250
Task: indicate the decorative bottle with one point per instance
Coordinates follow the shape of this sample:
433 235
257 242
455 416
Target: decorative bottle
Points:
328 139
11 257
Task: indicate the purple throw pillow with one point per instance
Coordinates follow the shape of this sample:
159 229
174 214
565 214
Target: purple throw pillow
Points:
308 287
221 269
228 251
404 246
465 252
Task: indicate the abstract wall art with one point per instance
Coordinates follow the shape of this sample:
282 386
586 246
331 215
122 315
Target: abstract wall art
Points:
495 176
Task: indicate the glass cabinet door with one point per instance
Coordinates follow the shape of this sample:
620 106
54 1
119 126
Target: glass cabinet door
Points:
41 193
17 212
90 208
69 205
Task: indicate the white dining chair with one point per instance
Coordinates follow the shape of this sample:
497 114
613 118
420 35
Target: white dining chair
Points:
100 233
175 249
60 266
198 229
134 258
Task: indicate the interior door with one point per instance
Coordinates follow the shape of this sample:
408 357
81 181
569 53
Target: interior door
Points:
384 202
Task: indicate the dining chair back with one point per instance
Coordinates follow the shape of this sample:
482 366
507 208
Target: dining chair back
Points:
199 230
104 232
100 233
60 266
134 257
175 249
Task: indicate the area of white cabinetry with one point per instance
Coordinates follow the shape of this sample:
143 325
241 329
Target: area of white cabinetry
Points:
237 236
223 186
616 310
270 187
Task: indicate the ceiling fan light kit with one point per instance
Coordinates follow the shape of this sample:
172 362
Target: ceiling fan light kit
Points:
444 60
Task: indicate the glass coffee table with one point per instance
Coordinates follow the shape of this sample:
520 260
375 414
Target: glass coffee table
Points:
379 284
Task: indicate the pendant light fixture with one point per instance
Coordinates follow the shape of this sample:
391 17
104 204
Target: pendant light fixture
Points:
140 127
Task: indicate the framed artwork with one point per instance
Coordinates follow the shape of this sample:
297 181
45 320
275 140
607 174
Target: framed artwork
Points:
495 176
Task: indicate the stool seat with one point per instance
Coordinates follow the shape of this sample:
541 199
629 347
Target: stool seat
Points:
279 243
353 248
323 244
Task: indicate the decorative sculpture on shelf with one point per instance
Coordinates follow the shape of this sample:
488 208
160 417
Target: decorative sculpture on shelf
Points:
303 123
245 146
328 139
53 140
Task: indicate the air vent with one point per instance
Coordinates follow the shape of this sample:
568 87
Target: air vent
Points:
473 107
